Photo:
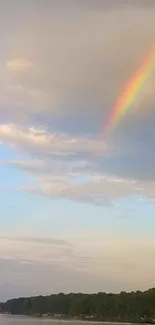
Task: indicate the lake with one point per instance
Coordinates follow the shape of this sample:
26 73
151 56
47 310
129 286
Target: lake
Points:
23 320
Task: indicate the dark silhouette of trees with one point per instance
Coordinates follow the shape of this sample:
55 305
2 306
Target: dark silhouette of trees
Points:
124 307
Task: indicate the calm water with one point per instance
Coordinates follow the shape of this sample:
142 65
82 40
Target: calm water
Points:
22 320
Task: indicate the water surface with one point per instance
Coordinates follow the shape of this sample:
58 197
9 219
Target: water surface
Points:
24 320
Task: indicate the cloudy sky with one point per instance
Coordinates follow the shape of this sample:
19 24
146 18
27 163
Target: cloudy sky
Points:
77 207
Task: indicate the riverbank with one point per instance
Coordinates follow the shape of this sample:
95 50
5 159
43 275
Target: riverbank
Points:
132 307
75 319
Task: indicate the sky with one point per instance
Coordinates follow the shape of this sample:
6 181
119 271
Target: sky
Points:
77 207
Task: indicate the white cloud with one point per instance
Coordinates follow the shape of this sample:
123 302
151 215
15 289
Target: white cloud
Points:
42 142
77 179
65 181
97 190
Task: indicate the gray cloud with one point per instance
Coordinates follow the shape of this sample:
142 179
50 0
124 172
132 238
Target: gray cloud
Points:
68 52
38 240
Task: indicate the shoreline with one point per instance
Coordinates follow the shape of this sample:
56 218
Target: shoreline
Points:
75 320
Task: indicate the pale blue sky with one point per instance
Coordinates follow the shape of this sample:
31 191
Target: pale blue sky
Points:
77 208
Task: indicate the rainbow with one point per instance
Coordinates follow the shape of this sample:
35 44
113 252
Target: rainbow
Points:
130 90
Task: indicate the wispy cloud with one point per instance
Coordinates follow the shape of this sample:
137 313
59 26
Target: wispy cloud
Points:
42 142
38 240
111 256
80 185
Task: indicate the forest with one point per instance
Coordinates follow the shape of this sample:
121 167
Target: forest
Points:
123 307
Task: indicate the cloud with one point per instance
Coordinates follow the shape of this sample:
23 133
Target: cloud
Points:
79 67
18 65
58 85
81 185
45 143
67 78
35 250
100 190
74 68
80 178
38 240
101 256
26 280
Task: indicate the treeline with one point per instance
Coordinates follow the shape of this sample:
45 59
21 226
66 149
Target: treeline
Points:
124 307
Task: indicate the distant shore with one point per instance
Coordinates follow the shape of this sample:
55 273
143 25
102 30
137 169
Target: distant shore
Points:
128 308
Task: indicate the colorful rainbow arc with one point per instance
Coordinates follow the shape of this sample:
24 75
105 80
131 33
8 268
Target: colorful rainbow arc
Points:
130 90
